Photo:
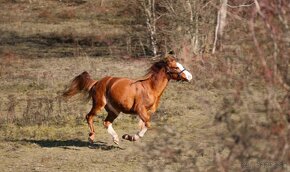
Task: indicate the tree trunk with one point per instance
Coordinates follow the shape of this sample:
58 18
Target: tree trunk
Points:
221 22
149 9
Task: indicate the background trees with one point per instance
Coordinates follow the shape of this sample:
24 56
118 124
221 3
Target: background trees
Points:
242 46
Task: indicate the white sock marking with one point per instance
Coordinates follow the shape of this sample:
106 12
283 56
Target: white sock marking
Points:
142 132
112 132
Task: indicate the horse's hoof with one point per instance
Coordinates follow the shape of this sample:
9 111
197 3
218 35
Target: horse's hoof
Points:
91 138
125 136
128 137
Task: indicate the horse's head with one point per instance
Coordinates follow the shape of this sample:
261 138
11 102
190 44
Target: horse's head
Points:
175 70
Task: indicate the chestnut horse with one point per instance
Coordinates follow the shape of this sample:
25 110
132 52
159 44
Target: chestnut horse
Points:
129 96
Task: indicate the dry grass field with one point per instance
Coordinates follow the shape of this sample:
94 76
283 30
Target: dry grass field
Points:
56 138
46 43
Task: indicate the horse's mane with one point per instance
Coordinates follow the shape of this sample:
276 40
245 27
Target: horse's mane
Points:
154 69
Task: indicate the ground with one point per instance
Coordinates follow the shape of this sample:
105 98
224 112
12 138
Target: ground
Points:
182 127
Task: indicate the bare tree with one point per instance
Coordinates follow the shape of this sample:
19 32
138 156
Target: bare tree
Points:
148 8
186 26
194 21
221 22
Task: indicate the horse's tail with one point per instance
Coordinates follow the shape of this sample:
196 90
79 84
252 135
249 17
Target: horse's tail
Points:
82 82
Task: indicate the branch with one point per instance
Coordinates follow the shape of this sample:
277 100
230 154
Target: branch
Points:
241 6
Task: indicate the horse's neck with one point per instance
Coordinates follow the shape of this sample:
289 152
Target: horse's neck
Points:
158 82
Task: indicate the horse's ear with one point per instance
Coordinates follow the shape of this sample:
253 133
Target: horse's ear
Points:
171 52
170 56
168 60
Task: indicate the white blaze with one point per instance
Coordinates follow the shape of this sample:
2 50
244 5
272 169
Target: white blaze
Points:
186 73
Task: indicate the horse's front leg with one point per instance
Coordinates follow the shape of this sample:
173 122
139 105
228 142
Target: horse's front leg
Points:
144 124
142 131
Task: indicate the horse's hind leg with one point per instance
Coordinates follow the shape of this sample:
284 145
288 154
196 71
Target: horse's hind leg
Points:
108 123
90 122
97 106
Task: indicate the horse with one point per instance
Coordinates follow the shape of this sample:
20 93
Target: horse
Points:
140 96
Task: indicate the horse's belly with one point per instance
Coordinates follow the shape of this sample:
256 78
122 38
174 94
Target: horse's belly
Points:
121 96
125 105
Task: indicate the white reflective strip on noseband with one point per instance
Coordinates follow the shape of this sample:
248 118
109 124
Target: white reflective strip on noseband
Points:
186 73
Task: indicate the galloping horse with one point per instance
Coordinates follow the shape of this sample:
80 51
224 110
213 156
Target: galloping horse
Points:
129 96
